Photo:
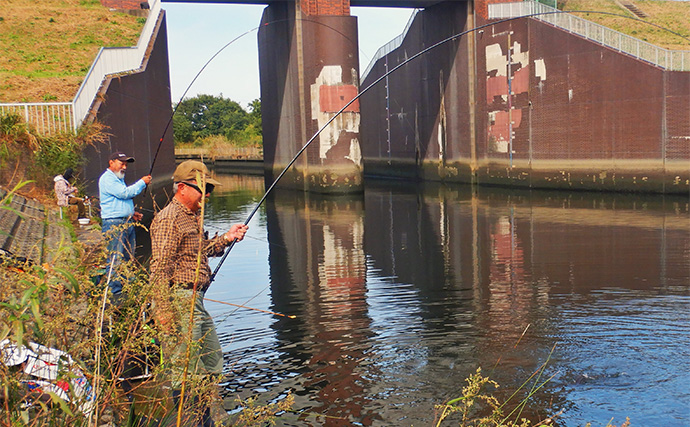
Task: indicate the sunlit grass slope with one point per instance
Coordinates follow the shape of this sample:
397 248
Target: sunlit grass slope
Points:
674 15
48 46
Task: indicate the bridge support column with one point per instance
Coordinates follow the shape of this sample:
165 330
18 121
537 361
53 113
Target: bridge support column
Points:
309 66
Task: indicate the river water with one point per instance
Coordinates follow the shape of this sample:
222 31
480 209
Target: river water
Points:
401 293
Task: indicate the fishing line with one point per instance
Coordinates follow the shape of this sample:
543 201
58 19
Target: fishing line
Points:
251 308
388 73
227 316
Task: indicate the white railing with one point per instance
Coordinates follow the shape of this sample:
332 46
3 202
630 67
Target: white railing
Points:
675 60
114 60
48 118
389 47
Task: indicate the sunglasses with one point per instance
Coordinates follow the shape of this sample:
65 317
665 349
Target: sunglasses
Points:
209 187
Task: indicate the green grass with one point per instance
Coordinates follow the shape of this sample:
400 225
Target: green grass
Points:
672 15
48 46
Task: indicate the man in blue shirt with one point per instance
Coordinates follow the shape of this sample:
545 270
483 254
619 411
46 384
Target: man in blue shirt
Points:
118 215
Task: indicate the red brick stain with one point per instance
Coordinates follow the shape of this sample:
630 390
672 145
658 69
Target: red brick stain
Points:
122 4
500 128
496 86
326 7
333 98
520 82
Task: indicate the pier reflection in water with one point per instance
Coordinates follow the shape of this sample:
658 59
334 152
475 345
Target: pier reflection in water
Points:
404 291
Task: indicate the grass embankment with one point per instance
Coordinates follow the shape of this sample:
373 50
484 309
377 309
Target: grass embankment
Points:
25 155
49 45
673 15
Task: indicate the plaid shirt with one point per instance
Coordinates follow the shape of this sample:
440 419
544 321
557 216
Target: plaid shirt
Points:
175 233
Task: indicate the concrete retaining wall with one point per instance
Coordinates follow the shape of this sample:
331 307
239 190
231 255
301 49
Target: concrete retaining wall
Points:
523 103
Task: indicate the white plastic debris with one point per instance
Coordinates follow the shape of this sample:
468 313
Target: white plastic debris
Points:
55 371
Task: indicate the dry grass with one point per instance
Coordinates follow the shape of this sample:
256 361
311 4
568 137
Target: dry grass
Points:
674 15
49 45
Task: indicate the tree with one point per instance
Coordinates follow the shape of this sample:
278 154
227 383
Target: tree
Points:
207 115
255 113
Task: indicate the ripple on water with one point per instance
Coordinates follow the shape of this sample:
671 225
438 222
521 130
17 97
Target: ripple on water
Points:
621 356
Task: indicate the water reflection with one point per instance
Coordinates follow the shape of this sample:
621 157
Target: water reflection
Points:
402 292
318 273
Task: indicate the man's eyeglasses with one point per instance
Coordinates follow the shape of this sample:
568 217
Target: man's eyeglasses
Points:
209 187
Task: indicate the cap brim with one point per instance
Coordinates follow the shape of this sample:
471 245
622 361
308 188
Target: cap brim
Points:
212 182
209 180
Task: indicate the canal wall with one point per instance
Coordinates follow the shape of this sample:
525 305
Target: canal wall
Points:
524 104
136 107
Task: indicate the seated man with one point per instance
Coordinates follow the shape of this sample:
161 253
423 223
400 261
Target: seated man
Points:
64 191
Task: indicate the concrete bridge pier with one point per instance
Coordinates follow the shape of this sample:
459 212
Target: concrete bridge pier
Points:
309 67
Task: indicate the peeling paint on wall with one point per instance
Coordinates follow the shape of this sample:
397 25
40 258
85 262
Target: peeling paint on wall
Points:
540 69
499 128
496 61
518 56
496 86
329 94
520 82
540 73
355 152
499 86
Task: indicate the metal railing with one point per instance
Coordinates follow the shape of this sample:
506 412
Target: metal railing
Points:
49 118
674 60
46 118
221 153
114 60
389 47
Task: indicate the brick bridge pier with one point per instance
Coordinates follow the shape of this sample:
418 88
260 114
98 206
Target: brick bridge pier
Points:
308 61
309 67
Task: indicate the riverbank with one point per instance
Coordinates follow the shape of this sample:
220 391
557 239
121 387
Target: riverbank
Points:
247 160
35 232
220 153
54 303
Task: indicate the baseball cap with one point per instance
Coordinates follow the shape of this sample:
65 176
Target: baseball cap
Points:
187 170
119 155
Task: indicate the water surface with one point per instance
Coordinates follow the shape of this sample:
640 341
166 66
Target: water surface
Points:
402 292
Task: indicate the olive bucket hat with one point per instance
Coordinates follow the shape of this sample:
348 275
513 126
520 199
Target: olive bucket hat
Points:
187 170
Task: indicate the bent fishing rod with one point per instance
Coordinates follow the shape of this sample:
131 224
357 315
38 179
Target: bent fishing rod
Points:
167 125
394 69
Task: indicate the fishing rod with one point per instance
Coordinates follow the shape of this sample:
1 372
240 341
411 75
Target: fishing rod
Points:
394 69
167 126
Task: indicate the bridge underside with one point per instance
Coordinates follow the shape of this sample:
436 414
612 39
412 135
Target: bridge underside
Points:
367 3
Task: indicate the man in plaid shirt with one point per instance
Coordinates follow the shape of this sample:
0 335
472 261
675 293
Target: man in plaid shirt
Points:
177 243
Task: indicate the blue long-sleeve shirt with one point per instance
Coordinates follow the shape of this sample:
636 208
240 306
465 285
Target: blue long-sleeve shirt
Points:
116 197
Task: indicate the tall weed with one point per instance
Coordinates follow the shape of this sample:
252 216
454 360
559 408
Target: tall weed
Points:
27 155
